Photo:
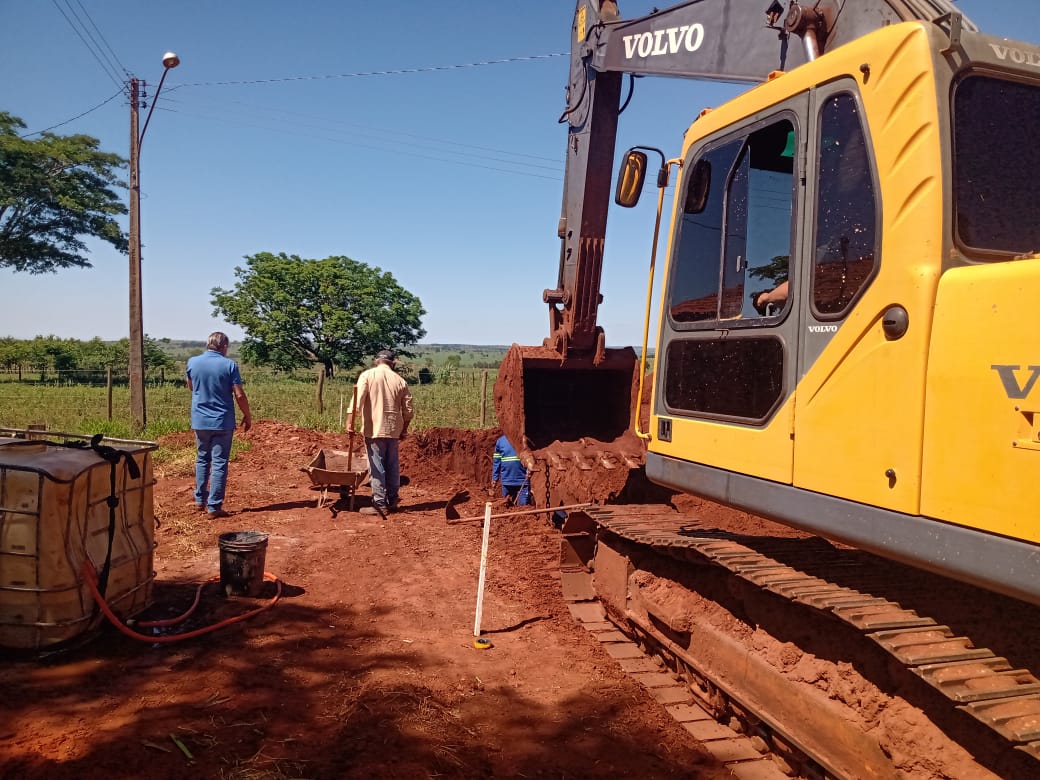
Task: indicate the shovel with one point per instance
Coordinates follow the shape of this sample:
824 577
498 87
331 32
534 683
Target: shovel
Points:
450 512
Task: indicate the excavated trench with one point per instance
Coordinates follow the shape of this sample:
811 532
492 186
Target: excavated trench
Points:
920 732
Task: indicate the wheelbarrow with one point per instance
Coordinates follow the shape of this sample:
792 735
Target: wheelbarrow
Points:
342 470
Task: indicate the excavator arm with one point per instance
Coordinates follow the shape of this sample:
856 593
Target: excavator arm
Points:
573 386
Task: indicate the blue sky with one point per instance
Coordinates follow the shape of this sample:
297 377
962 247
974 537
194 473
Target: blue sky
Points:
449 179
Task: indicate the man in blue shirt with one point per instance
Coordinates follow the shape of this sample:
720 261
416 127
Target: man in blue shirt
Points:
215 386
506 466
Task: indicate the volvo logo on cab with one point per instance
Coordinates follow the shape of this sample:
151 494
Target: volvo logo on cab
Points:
668 41
1017 56
1014 389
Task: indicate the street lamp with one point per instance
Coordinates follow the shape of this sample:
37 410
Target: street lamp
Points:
138 416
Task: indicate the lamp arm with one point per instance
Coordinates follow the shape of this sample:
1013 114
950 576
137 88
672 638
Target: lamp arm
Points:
155 99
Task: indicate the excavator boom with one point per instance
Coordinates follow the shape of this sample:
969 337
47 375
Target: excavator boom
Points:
573 386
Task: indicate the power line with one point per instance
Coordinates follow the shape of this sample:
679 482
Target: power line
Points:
90 48
88 111
328 124
362 74
460 66
396 150
102 37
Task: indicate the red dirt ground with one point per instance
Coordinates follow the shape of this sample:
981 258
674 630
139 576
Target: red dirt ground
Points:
365 668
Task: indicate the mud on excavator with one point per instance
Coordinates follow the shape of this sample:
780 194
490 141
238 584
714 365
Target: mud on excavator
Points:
845 341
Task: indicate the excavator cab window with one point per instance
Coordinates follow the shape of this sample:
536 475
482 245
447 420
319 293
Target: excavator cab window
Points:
735 236
996 165
732 250
846 209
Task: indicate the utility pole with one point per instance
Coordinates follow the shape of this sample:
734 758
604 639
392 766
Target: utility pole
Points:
138 415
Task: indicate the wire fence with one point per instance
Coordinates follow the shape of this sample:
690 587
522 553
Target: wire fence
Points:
62 401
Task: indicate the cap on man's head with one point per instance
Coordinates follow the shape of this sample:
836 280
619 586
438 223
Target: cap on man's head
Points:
386 355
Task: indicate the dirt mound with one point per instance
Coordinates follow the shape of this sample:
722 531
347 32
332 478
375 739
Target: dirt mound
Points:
464 455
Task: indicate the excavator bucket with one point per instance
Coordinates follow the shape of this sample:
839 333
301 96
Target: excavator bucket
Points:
542 397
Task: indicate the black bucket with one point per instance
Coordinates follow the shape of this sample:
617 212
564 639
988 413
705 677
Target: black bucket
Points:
242 556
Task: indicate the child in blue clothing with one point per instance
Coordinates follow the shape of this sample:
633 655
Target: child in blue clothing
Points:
506 466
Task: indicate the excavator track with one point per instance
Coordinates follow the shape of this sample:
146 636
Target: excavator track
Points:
603 548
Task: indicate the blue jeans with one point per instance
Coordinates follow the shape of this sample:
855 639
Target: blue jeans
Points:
385 467
211 465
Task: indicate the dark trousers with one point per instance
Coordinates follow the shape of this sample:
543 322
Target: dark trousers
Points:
385 468
518 494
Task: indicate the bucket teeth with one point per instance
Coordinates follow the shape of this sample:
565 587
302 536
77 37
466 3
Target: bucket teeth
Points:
584 463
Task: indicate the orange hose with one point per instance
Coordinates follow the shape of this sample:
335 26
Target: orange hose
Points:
180 618
90 576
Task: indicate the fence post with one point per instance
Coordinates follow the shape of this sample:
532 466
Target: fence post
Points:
108 387
483 400
321 388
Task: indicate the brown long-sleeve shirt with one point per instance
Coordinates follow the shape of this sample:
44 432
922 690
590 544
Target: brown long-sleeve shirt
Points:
385 403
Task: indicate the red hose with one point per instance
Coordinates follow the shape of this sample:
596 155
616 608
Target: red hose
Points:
90 576
180 618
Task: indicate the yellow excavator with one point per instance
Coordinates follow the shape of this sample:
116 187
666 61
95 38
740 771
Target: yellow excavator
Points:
847 334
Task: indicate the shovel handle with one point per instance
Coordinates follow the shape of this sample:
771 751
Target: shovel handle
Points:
350 433
522 512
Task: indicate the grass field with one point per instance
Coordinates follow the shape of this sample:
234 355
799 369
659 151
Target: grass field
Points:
78 408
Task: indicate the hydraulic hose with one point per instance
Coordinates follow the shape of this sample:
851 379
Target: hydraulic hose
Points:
91 578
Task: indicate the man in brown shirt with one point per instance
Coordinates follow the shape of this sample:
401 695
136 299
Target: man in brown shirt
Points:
386 410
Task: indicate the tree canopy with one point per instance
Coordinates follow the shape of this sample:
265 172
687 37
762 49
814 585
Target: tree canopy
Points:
298 312
50 353
55 190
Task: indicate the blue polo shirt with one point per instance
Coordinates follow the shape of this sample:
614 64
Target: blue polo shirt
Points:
212 400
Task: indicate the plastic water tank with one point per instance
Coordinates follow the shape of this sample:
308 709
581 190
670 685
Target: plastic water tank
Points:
54 515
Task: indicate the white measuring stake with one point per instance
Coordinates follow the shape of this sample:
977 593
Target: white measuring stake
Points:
483 568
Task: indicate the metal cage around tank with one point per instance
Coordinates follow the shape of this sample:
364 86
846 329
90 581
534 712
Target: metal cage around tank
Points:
55 517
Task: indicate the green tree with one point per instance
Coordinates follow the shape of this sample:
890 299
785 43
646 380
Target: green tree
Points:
298 312
97 354
13 353
54 191
154 355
